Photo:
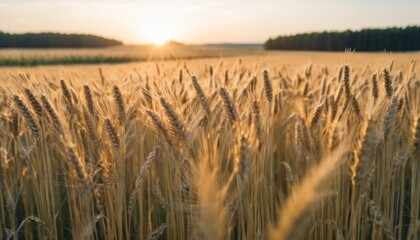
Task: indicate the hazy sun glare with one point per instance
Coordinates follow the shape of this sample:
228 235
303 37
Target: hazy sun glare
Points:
158 33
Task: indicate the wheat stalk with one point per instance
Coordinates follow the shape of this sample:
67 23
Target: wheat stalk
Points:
153 157
112 133
66 92
159 197
79 167
380 220
27 115
53 115
375 91
258 122
34 102
346 82
176 127
14 124
157 233
119 102
4 164
201 95
388 119
89 100
388 84
244 159
316 116
230 108
267 86
364 155
355 105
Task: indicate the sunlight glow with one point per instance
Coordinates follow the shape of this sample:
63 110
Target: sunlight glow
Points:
158 33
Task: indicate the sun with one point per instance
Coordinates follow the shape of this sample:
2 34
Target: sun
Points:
159 37
158 34
160 41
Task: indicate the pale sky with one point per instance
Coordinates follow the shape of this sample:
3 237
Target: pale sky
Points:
194 21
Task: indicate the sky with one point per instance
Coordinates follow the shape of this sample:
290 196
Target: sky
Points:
200 21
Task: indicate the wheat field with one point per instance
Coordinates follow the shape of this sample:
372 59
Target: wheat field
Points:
119 54
251 147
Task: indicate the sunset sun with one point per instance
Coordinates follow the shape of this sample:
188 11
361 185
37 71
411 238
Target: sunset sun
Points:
159 37
158 34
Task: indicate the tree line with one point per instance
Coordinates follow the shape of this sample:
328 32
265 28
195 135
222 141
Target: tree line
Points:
54 40
390 39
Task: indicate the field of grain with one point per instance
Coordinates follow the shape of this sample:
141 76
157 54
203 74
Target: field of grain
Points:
120 54
283 145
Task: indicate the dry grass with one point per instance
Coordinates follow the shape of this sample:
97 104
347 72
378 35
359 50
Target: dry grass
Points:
250 148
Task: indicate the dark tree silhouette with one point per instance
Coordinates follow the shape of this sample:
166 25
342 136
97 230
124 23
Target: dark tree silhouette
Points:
54 40
390 39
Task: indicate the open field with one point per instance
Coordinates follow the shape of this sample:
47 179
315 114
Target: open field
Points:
280 59
120 54
269 145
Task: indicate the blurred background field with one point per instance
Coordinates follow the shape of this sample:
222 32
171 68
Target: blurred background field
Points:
120 54
199 57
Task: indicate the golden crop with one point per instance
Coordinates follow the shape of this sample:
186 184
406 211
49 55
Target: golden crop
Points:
211 150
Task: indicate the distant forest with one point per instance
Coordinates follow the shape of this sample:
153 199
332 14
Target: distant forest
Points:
390 39
54 40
